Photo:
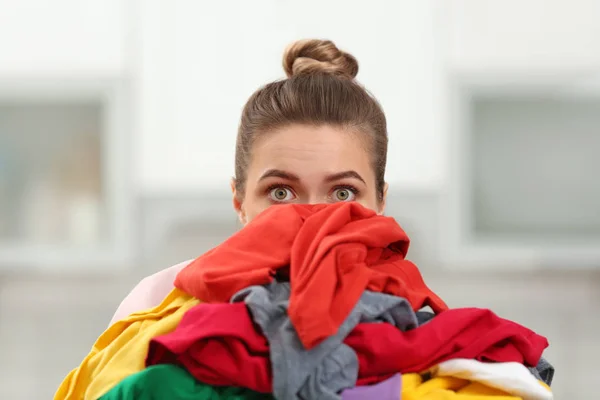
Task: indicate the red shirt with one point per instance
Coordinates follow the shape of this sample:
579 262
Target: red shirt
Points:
334 253
219 345
471 333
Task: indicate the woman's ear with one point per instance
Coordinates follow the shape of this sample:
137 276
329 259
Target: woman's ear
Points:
238 205
383 199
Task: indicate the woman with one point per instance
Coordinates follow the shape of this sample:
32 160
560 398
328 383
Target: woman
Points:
316 137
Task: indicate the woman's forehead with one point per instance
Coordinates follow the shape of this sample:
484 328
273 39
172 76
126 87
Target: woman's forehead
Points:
327 149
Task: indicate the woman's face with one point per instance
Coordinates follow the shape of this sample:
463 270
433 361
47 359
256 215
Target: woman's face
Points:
308 164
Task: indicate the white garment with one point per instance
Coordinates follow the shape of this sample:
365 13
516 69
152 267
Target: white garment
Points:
510 377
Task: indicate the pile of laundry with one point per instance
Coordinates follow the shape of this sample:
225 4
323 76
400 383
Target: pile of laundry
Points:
311 302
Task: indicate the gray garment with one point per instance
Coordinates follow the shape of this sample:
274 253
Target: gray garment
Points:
424 317
325 370
544 371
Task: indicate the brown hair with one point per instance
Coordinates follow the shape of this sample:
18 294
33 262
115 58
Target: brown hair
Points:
320 90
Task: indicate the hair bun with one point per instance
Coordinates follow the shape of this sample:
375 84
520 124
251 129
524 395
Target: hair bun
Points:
313 56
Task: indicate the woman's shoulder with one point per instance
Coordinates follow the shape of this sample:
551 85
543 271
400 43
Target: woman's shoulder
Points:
149 292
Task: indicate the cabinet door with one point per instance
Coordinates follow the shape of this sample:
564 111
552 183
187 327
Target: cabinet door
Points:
524 187
51 184
535 168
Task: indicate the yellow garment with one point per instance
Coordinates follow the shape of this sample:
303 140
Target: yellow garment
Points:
476 388
448 388
121 350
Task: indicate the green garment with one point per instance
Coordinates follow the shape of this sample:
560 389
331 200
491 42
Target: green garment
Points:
170 382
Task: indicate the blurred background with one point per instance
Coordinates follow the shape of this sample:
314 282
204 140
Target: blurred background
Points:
117 129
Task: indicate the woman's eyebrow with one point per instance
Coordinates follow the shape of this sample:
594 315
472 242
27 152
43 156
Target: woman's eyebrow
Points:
277 173
345 175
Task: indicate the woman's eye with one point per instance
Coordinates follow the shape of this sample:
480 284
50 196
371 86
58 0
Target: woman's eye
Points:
281 194
343 194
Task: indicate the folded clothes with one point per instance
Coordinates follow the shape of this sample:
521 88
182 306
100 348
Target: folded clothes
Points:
170 382
212 340
334 253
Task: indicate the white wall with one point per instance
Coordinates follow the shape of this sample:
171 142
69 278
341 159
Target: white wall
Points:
201 61
62 38
520 35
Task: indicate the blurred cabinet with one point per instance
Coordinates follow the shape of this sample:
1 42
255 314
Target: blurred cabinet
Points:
523 190
50 157
522 122
65 192
534 168
65 189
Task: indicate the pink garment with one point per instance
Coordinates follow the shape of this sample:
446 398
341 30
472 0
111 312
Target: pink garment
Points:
149 292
